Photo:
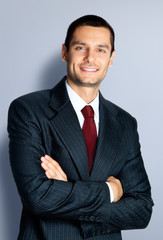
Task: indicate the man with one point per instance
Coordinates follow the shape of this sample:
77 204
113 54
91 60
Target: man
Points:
78 169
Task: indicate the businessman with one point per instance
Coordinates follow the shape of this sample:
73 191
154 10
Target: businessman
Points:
75 156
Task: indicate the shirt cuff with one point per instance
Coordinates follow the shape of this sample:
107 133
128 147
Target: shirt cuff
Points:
111 193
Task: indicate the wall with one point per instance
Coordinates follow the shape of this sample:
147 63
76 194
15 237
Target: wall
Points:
31 36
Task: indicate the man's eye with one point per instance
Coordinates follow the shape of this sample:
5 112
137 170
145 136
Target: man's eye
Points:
101 50
80 48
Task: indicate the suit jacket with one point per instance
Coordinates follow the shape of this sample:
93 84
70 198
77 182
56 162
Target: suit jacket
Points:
45 122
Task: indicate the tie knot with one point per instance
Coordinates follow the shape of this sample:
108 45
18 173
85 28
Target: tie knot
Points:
88 112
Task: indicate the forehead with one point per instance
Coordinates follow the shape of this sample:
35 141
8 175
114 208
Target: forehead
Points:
89 34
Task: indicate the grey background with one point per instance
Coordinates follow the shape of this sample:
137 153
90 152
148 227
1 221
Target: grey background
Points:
31 34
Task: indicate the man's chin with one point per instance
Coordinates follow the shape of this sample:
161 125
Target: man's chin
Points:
87 82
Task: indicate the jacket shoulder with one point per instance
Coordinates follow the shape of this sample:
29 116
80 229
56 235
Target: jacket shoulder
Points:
115 109
122 115
31 105
34 98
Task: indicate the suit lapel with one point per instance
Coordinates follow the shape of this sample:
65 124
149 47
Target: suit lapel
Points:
110 133
67 126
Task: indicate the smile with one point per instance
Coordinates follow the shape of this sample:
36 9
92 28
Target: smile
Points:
89 69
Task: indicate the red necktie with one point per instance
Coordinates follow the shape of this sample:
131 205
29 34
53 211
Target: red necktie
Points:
89 133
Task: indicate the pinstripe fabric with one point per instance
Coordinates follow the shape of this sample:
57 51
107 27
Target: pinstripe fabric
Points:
46 123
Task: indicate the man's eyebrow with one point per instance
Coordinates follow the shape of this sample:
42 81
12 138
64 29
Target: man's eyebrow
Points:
78 43
84 44
103 46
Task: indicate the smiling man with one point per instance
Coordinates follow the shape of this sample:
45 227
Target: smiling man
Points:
75 156
88 58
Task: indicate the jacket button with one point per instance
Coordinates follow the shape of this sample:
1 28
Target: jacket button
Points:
81 218
86 218
97 219
92 218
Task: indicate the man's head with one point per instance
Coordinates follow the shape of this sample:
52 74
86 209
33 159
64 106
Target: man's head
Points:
88 51
89 20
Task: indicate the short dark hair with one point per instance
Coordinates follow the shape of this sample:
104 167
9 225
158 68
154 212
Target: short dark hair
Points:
89 20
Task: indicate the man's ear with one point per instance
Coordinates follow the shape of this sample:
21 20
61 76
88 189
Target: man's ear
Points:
64 53
111 59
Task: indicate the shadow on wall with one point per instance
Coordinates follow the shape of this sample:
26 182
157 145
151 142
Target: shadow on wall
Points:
10 199
53 71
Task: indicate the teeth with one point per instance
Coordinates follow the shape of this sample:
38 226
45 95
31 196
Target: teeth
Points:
89 69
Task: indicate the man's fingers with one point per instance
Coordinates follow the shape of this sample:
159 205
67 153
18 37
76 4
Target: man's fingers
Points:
55 164
53 172
116 187
54 175
52 164
111 178
52 168
48 163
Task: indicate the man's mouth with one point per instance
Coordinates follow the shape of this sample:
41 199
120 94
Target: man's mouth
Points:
89 69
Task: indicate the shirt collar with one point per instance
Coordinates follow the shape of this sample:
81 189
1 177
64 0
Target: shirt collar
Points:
78 103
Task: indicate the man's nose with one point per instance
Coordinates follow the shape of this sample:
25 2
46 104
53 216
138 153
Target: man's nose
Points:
89 56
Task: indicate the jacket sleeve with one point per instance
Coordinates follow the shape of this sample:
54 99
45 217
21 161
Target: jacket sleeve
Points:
87 202
134 209
45 197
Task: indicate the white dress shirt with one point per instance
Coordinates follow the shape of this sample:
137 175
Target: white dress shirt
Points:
78 104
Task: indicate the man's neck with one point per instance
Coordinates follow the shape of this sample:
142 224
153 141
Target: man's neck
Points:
88 94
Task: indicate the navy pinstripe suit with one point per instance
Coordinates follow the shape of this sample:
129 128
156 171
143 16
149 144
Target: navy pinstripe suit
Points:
45 123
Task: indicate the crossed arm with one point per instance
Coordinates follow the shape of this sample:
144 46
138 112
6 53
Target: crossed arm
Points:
54 171
54 196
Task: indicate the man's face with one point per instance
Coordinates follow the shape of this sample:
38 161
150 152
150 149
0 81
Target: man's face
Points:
89 56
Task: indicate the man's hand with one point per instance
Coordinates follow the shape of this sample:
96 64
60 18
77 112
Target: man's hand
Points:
116 187
52 169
